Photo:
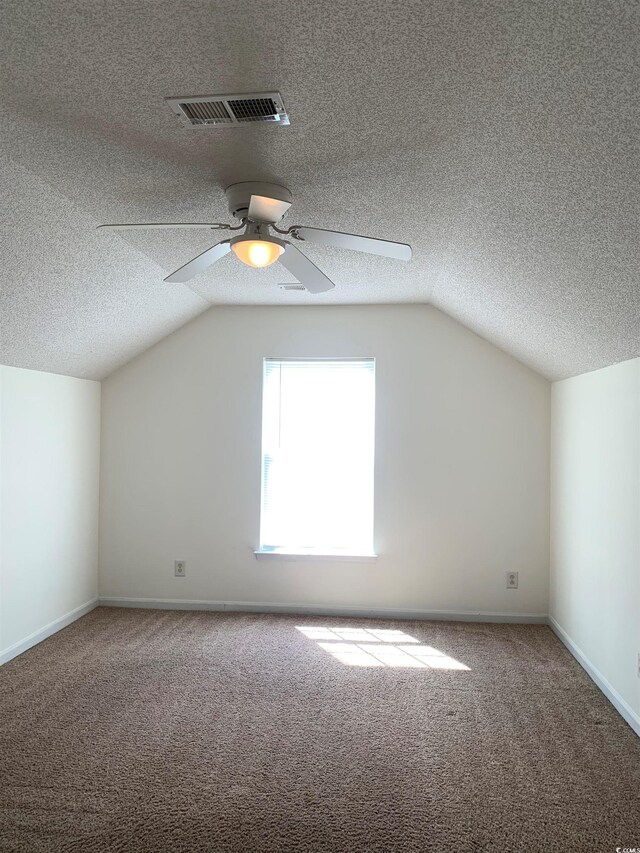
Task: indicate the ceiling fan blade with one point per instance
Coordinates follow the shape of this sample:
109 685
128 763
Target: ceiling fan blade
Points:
200 263
126 226
387 248
304 270
265 209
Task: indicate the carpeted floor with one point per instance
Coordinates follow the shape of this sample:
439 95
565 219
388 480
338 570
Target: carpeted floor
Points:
139 730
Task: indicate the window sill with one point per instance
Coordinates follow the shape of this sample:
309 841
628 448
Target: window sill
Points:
310 556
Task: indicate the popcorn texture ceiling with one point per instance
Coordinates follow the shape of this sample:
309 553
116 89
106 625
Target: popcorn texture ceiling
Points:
500 139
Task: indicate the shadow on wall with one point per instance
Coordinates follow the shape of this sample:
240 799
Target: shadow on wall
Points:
379 647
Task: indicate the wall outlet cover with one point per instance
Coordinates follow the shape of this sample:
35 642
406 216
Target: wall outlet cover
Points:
180 568
512 580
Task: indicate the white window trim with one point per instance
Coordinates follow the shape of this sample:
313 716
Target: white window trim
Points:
302 557
283 554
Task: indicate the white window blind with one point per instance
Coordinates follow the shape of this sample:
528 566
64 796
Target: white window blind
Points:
318 423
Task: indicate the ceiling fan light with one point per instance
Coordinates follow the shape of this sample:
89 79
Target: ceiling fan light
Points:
257 253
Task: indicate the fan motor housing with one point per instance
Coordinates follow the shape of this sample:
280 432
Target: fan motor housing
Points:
239 195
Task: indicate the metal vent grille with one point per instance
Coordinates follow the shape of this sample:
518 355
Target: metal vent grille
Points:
206 112
292 287
229 110
254 109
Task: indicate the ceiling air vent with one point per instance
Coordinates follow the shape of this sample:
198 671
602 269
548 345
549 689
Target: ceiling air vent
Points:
229 110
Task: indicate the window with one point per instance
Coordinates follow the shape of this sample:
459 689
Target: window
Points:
318 421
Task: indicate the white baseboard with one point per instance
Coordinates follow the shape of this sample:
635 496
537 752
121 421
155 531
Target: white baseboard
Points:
326 610
620 704
42 634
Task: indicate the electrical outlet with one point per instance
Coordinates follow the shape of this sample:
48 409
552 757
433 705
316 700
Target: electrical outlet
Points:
512 580
180 568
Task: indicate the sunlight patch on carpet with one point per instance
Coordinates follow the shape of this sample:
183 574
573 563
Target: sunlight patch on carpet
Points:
379 647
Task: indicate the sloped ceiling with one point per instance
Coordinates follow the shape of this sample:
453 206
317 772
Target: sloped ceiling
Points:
501 139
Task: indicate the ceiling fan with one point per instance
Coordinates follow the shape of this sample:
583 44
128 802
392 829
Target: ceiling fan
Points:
260 206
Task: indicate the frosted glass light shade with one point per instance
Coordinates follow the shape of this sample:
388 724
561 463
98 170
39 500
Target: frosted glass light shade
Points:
257 253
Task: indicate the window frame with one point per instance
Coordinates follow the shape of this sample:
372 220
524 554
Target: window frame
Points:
325 555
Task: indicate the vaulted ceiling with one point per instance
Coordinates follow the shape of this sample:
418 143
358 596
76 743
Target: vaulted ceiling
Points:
500 138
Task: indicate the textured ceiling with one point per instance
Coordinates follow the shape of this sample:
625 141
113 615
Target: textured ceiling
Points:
501 139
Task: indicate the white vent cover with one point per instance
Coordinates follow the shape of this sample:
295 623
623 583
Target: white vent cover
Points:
229 110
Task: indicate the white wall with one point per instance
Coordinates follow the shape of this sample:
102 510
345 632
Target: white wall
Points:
462 471
49 477
595 554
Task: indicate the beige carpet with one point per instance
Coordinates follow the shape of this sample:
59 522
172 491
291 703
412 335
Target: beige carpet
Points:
138 730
